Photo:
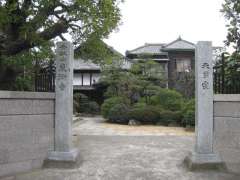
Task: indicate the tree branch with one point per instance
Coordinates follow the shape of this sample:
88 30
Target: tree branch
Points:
48 34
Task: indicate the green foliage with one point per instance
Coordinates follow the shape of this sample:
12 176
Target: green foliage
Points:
28 24
231 11
168 99
90 107
145 114
81 104
133 84
109 103
139 105
167 117
185 83
167 107
23 84
149 70
29 29
189 113
98 51
77 98
230 67
119 113
121 83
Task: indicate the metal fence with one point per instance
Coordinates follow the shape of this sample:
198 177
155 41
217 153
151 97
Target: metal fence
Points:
45 79
224 82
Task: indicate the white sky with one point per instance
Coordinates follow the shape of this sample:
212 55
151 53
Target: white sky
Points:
162 21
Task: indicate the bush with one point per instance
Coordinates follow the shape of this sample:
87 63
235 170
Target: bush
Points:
168 99
109 103
145 114
167 117
90 107
189 113
119 114
81 104
189 118
139 105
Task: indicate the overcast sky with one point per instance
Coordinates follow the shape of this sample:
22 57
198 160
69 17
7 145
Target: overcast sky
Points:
162 21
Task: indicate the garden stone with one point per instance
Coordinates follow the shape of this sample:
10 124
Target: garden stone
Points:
133 122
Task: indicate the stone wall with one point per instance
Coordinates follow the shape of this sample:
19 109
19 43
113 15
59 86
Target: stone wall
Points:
227 129
26 130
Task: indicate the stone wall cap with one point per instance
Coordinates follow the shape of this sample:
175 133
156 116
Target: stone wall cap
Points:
26 95
227 97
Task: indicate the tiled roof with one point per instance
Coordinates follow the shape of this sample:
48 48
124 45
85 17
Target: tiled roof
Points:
160 49
80 64
179 44
148 49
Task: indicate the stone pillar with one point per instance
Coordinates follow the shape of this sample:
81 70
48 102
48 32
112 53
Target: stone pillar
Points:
203 155
63 149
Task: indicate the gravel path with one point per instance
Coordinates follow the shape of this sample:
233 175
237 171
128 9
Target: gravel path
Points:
111 152
98 126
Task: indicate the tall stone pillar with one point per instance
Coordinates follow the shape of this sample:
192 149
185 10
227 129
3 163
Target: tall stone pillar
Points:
63 148
203 155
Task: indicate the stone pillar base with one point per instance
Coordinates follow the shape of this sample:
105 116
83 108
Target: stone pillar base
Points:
70 156
195 161
64 160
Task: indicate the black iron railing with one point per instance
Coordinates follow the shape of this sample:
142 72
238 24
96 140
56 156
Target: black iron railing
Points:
223 81
45 79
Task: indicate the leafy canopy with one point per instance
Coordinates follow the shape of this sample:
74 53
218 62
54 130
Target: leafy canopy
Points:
25 24
231 10
140 81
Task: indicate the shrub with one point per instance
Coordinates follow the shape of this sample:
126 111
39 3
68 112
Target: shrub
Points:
145 114
119 114
168 99
139 105
189 118
90 107
109 103
167 117
78 100
189 113
81 104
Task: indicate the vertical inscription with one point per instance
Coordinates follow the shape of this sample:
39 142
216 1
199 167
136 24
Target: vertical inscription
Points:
204 97
205 75
62 55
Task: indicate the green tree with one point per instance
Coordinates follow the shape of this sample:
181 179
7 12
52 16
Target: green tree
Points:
133 84
231 10
25 24
29 28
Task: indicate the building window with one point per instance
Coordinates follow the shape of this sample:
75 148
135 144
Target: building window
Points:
183 65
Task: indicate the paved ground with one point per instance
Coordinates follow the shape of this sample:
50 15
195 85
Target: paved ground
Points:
113 153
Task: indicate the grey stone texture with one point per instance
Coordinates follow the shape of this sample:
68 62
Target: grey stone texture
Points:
227 129
26 130
63 150
204 98
203 155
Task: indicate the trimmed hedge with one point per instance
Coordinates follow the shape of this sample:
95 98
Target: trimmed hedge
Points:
189 113
119 114
81 104
168 99
167 107
145 114
167 117
109 103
